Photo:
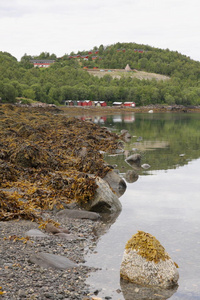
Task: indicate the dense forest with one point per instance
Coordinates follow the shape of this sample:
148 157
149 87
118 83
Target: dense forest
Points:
68 78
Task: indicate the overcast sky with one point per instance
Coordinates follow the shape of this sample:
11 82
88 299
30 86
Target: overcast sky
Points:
63 26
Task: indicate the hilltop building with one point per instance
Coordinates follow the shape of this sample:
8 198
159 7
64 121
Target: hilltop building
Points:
42 63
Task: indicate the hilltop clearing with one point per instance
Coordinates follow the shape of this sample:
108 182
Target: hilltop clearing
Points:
119 73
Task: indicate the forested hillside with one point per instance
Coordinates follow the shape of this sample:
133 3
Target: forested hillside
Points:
68 78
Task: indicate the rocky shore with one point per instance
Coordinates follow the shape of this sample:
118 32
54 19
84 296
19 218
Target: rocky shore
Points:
22 279
49 163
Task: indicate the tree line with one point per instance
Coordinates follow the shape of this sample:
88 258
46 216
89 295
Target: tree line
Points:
67 80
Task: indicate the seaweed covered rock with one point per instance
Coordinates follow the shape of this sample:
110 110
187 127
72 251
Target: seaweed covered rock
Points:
32 156
11 207
146 262
104 200
7 172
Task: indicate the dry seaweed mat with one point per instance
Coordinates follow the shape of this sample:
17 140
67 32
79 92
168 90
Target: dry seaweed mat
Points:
46 159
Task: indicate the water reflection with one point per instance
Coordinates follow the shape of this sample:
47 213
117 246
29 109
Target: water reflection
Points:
102 119
165 203
132 291
165 141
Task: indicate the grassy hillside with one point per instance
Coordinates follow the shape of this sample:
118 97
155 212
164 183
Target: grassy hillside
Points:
119 73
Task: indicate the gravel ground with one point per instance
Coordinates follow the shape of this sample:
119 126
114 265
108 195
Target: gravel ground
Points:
20 279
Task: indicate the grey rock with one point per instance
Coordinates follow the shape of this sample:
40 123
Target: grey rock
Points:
69 237
104 200
115 182
146 166
125 136
78 214
47 260
131 176
35 233
182 154
137 269
134 160
139 139
51 228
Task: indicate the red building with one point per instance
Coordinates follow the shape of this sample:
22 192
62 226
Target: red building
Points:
100 103
84 103
42 63
139 50
85 57
129 104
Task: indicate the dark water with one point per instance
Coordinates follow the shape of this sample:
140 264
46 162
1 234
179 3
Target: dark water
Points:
164 201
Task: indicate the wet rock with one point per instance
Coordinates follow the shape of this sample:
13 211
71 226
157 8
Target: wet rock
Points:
47 260
146 166
125 136
78 214
134 160
115 182
131 176
53 229
146 262
182 154
139 139
36 233
105 201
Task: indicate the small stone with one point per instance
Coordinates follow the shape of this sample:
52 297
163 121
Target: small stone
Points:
145 166
22 294
35 233
51 228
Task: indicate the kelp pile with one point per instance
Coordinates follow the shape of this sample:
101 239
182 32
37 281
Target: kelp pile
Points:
46 160
147 246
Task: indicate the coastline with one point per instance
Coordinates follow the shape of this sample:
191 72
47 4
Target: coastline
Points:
140 109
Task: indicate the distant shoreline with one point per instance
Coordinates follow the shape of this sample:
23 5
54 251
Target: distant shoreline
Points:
140 109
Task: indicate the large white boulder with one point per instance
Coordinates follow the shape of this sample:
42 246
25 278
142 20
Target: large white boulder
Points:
146 262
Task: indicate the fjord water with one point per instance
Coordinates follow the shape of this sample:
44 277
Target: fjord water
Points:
164 201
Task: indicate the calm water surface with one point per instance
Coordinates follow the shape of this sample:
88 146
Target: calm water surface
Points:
164 201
